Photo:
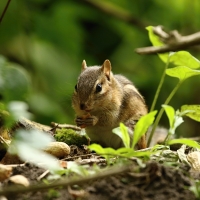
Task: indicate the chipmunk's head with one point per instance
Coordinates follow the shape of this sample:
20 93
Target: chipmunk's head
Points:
92 88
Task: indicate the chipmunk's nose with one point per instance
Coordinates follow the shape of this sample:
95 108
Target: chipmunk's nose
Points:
82 106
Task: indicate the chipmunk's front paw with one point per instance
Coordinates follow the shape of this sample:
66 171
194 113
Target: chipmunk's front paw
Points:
86 121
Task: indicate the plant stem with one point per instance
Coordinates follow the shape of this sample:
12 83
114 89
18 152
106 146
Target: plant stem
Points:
117 12
162 110
167 138
14 190
159 86
4 11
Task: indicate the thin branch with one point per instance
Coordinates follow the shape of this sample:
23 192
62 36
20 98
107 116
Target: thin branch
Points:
64 182
4 11
66 126
173 42
116 12
3 141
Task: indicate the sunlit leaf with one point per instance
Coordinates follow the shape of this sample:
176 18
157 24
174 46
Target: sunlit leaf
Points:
185 141
155 40
122 132
124 152
177 122
175 119
32 137
129 152
97 148
195 111
182 72
170 113
29 145
184 58
38 157
142 126
18 109
74 167
102 151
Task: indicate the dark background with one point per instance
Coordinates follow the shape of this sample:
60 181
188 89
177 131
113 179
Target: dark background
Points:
45 41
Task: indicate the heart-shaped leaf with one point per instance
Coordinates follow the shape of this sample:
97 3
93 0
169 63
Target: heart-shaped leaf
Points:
184 58
155 40
182 72
195 111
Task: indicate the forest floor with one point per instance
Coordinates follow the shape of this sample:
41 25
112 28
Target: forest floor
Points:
149 182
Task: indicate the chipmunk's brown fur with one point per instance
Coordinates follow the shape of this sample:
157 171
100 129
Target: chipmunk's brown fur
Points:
102 100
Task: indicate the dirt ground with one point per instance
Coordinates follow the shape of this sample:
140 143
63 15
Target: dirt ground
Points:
155 181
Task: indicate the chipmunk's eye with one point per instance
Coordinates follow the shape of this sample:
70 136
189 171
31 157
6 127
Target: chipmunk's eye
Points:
75 87
98 87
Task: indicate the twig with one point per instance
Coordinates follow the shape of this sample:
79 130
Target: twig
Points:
173 42
4 11
3 141
116 12
143 150
67 126
43 175
65 182
17 165
80 156
91 161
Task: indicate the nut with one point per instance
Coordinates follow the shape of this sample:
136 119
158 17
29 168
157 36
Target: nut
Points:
20 180
58 149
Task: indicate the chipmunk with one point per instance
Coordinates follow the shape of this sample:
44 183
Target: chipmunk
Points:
102 100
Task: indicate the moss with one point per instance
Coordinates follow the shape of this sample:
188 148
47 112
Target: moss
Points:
71 137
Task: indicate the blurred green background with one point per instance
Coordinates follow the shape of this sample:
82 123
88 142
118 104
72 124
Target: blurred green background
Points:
43 43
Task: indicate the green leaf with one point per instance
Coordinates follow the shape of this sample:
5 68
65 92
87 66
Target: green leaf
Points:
97 148
14 82
122 132
185 141
31 138
182 72
175 119
25 144
155 40
102 151
142 126
78 169
18 109
195 111
177 122
170 114
124 152
129 152
184 58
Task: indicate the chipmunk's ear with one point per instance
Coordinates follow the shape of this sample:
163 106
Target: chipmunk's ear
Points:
84 65
106 68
